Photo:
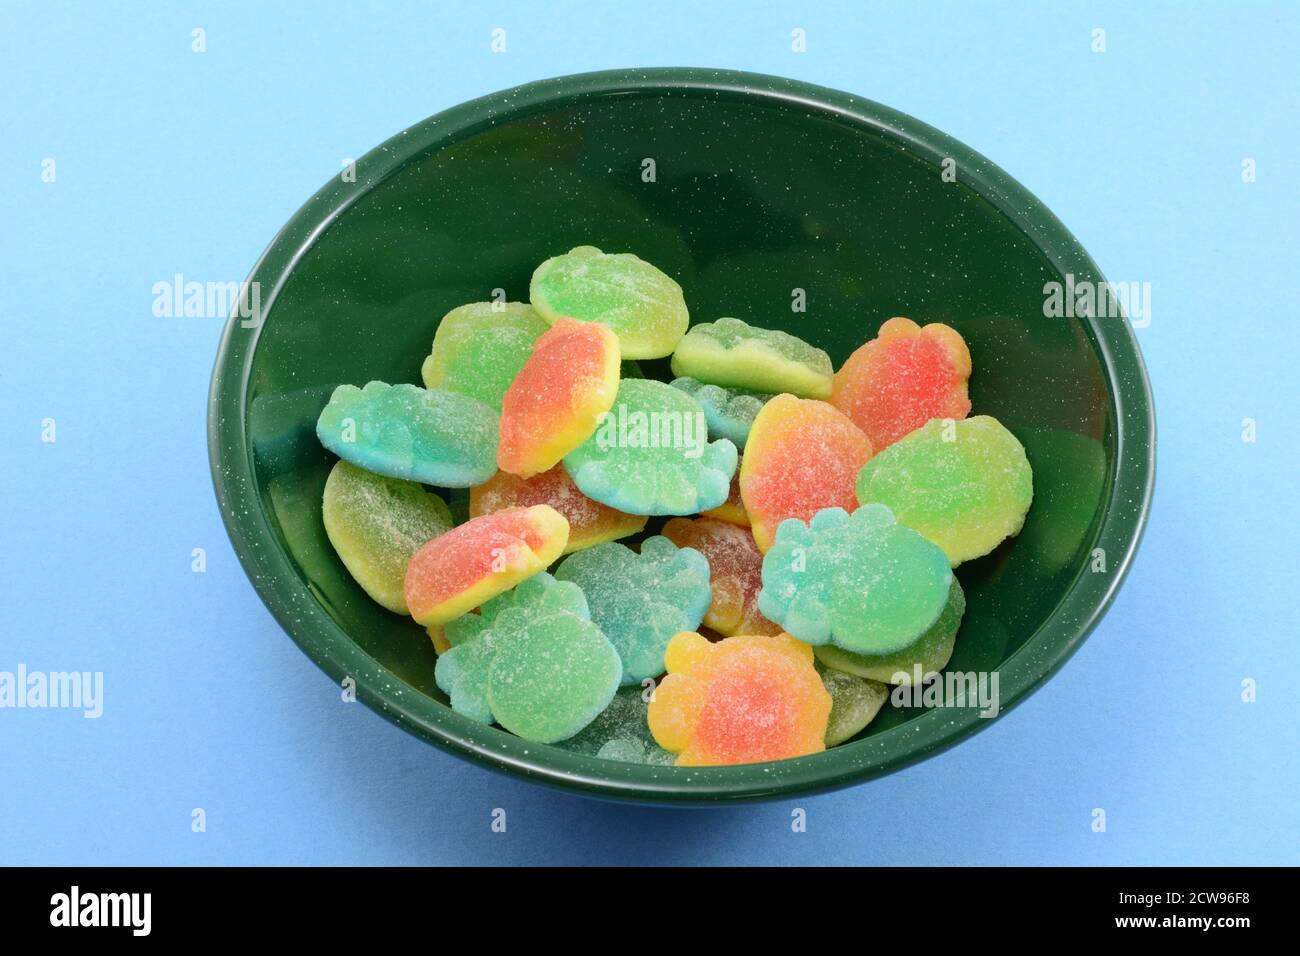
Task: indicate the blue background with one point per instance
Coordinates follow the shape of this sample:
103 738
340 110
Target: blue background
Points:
170 161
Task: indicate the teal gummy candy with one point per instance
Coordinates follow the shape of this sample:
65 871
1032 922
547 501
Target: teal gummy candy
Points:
929 655
855 701
434 437
730 412
641 600
621 732
650 455
532 661
862 582
479 349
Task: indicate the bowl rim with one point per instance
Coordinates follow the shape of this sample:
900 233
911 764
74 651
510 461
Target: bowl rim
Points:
275 577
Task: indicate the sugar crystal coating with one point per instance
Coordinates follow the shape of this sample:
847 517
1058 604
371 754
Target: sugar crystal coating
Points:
860 581
621 732
802 456
735 573
730 412
402 431
376 524
643 306
651 454
855 702
474 562
733 353
965 485
641 600
745 699
732 510
479 349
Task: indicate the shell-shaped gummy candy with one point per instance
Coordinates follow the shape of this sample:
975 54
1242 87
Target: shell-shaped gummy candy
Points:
621 732
402 431
479 349
965 485
905 376
532 662
641 600
733 353
929 655
862 582
855 701
557 399
745 699
651 454
730 412
376 524
735 573
590 522
643 306
802 456
459 570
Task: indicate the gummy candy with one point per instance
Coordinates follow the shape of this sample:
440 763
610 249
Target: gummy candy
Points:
480 559
376 524
932 652
641 304
802 456
729 411
558 398
902 378
480 348
620 732
862 582
433 437
533 662
735 353
744 699
965 485
855 702
732 510
436 634
590 522
735 573
641 600
651 454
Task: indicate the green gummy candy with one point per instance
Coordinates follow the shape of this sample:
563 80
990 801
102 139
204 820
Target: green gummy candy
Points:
480 348
425 435
965 485
931 652
855 702
621 732
650 455
643 306
735 353
730 412
376 524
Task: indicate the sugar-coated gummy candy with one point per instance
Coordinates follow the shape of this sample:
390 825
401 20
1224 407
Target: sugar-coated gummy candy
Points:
479 349
931 653
745 699
439 638
802 456
732 510
651 454
905 376
402 431
535 664
459 570
735 573
860 581
965 485
590 522
734 353
376 524
621 732
558 397
855 701
730 412
641 600
643 306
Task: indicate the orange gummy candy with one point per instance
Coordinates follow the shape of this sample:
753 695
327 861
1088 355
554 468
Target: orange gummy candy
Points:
732 510
735 573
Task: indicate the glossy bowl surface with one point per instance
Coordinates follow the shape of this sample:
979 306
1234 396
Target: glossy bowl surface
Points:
752 192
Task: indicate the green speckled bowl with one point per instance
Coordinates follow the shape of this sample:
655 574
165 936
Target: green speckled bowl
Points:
761 186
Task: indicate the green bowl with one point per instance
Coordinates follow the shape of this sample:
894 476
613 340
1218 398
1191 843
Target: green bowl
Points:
757 187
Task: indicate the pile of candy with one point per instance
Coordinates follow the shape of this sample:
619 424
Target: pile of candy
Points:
788 587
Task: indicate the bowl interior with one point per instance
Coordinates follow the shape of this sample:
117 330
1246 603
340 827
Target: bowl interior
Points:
744 199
